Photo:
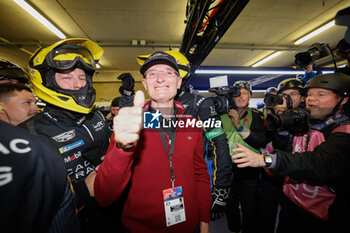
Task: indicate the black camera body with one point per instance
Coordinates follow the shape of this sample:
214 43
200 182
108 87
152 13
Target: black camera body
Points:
223 100
272 100
296 120
316 51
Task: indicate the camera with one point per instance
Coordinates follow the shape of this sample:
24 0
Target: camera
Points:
272 100
223 100
296 120
316 51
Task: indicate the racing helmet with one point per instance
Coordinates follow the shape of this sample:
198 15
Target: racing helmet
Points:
62 56
9 70
182 62
243 84
290 83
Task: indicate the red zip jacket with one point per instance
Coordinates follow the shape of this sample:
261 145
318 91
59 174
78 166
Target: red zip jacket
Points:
147 170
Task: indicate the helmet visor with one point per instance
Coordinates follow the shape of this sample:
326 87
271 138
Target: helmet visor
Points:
66 57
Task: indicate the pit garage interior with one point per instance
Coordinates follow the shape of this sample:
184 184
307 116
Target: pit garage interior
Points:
219 37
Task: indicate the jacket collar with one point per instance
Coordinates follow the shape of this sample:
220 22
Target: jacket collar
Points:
180 109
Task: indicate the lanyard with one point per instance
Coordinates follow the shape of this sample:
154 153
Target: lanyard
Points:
172 145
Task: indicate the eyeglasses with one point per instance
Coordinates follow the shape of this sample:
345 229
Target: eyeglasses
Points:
167 73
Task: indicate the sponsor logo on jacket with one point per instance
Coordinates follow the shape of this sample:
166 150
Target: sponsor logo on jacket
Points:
98 126
71 146
64 137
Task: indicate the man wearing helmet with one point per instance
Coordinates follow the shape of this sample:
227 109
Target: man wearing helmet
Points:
318 195
244 125
294 88
61 75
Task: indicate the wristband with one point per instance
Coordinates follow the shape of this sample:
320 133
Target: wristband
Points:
240 129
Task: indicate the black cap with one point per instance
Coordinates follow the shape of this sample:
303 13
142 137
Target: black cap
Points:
159 58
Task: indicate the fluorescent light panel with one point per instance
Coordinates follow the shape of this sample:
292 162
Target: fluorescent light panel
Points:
316 32
40 18
251 72
275 54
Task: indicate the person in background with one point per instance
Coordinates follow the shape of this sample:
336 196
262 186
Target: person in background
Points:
261 105
12 73
61 75
309 73
35 194
317 190
17 103
244 125
343 50
126 90
114 109
161 169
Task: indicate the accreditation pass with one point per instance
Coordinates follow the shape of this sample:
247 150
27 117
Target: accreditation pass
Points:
174 206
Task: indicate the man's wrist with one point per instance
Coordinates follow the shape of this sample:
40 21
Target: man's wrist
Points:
240 128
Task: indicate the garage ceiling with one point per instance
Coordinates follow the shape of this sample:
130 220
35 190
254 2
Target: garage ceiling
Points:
263 27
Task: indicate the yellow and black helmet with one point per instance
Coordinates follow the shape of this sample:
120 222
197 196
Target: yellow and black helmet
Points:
182 62
291 83
61 56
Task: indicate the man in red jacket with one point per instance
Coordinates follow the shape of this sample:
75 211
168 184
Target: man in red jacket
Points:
160 166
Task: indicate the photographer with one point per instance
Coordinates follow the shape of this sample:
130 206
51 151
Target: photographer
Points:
306 60
343 50
283 105
244 125
317 191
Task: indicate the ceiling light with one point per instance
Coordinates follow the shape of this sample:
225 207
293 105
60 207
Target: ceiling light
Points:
251 72
266 59
40 18
316 32
98 66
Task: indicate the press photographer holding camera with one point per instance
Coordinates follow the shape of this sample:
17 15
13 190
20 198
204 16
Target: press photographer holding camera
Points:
306 60
317 191
244 125
343 50
285 117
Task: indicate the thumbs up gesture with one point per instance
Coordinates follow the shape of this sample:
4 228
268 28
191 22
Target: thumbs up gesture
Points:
128 123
